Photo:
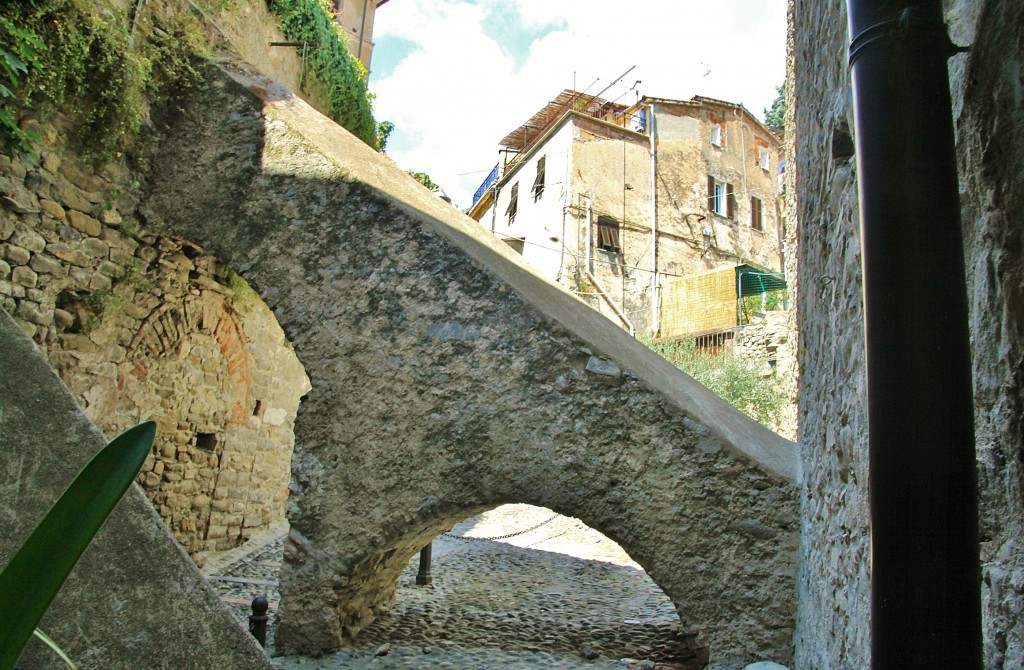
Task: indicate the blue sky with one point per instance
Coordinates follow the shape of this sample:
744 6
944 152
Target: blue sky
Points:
455 76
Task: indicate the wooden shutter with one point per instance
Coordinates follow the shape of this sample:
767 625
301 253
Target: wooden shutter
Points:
711 193
513 204
730 201
538 182
755 214
608 234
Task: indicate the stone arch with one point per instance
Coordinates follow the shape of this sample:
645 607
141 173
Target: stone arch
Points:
448 378
170 340
525 577
219 472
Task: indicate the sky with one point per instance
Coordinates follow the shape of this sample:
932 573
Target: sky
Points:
456 76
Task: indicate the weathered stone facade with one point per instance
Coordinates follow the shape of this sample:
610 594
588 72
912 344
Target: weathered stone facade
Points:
143 326
833 627
626 204
448 378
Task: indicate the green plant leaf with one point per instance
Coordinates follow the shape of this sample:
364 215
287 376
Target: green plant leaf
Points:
56 648
34 576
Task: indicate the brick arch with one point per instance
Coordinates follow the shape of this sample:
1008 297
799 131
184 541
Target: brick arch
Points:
448 379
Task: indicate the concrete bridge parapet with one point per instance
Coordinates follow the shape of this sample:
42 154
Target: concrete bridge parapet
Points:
448 379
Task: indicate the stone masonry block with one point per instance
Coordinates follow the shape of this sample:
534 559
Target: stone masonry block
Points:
84 223
29 239
69 254
52 209
17 255
47 265
24 276
95 248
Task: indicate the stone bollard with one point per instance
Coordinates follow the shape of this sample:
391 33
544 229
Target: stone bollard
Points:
258 619
423 577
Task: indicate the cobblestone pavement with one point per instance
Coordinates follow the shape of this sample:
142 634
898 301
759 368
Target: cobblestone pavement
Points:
494 605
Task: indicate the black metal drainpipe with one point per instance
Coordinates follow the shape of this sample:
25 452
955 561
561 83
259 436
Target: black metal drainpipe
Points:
925 572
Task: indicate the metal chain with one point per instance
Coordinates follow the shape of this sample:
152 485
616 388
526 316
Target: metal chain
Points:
505 537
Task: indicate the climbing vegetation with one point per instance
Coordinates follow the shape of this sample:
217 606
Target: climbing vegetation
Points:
741 380
341 74
92 58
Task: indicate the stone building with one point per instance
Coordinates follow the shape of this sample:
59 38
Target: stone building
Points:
652 212
356 18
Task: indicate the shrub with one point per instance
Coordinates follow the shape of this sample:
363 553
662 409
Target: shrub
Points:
740 380
76 54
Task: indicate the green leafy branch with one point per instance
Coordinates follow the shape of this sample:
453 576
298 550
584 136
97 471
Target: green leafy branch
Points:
19 52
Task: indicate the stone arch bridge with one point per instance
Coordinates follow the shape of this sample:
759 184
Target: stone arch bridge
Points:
449 379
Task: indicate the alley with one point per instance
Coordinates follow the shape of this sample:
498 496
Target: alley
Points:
555 594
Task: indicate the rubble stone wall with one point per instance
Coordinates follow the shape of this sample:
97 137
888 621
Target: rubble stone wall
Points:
833 624
142 326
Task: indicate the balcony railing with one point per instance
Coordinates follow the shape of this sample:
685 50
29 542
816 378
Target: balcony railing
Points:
487 183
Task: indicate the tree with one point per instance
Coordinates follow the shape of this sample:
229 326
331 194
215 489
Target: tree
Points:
384 130
776 116
424 178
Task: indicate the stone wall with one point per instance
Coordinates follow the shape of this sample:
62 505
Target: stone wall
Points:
144 326
833 623
988 91
771 339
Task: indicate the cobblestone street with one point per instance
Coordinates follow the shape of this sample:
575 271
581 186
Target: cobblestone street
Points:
565 597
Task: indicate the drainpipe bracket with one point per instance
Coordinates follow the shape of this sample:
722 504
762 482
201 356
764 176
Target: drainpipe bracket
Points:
910 23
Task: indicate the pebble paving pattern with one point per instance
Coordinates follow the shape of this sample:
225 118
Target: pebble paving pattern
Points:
491 606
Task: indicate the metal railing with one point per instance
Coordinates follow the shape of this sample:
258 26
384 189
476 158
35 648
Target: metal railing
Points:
487 183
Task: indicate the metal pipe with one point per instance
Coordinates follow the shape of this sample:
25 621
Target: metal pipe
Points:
611 303
362 30
655 283
588 248
925 570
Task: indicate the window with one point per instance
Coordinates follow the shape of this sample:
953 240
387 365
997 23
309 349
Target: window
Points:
721 200
755 214
513 204
538 182
765 160
716 135
608 234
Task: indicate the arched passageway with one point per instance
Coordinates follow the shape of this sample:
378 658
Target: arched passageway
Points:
526 578
448 379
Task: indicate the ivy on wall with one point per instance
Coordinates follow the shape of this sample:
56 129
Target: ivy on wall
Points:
84 56
342 75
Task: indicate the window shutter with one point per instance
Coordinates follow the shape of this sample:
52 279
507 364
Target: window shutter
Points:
755 213
730 201
711 193
608 235
513 204
538 182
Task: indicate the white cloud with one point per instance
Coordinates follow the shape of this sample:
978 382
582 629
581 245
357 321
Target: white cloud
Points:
455 96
